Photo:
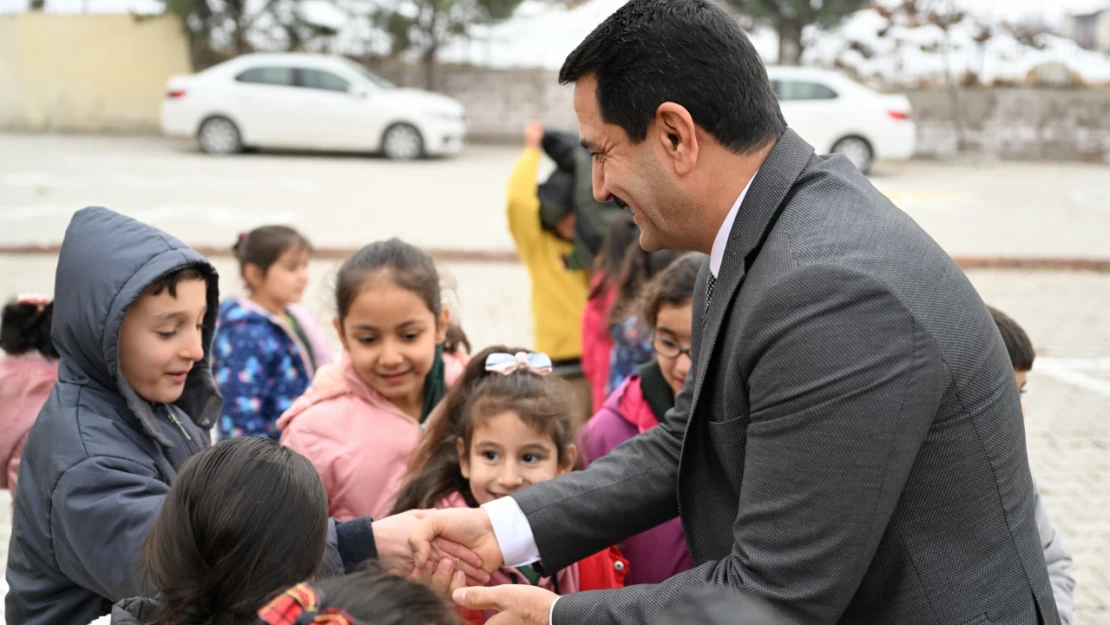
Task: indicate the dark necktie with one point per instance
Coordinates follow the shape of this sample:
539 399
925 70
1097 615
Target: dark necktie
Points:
709 292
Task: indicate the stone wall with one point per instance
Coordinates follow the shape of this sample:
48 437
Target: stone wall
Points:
1007 122
1072 124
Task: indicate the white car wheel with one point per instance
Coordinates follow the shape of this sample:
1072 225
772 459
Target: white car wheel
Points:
402 142
857 150
219 135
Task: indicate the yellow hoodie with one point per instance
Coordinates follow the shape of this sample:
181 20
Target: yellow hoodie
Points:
558 293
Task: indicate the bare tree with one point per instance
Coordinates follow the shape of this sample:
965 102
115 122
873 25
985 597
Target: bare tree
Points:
789 17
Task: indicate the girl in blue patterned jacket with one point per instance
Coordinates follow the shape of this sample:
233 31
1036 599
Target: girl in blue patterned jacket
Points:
266 348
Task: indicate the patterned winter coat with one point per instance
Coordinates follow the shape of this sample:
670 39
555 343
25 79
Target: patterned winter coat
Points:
262 366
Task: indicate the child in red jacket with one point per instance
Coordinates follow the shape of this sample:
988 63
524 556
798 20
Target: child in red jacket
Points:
505 425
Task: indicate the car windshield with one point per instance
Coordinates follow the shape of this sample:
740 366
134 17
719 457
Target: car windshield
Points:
374 79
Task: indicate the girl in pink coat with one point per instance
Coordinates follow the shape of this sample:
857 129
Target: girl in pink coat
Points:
360 420
27 375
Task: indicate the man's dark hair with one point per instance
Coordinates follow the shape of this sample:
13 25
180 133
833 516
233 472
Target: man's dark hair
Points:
1017 341
688 52
169 281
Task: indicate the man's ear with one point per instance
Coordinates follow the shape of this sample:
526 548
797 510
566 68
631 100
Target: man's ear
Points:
674 129
464 458
570 459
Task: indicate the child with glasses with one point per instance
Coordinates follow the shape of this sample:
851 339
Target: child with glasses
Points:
640 402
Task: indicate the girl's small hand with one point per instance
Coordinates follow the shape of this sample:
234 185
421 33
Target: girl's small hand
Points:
443 579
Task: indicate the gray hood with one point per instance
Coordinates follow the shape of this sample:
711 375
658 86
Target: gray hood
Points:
106 262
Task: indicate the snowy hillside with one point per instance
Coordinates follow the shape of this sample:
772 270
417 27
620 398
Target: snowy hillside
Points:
881 49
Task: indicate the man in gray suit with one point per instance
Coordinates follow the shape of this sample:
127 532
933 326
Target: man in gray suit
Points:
849 445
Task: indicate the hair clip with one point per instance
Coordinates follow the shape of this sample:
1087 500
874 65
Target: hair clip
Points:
300 605
33 299
538 363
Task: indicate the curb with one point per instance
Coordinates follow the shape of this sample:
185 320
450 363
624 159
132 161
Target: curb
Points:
1098 265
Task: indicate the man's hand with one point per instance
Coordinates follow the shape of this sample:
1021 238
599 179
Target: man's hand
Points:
455 533
515 604
533 135
391 535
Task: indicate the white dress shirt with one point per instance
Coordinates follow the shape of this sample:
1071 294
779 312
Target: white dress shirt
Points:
510 525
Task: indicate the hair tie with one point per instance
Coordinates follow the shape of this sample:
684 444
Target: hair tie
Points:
33 299
300 605
538 363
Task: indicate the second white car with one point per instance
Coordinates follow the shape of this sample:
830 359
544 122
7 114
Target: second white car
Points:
309 102
837 115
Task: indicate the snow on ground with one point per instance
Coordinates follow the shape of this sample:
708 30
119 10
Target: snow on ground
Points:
889 52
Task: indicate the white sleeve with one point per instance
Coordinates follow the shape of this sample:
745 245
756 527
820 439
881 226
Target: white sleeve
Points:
513 533
107 619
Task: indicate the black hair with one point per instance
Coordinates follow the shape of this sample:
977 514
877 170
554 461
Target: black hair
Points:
25 328
1017 341
673 286
689 52
264 246
542 401
407 266
623 233
375 597
244 520
169 281
638 268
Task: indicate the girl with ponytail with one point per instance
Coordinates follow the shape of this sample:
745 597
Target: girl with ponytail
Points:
28 372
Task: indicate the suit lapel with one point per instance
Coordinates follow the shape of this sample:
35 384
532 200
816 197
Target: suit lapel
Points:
761 205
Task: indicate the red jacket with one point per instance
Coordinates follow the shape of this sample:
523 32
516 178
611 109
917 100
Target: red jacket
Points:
597 342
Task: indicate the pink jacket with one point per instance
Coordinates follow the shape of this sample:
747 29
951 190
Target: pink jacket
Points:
25 383
358 440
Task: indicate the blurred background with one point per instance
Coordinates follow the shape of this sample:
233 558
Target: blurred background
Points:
988 121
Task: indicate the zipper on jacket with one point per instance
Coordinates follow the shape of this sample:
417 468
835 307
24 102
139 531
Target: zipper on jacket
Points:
173 418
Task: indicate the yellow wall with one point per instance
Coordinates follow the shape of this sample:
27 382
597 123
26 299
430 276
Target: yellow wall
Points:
87 72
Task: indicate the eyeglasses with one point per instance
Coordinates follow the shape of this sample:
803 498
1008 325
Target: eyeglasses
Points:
669 348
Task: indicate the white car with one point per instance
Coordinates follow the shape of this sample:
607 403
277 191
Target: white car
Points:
311 102
835 114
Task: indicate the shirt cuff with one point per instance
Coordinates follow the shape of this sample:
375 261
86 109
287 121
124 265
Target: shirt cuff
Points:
513 533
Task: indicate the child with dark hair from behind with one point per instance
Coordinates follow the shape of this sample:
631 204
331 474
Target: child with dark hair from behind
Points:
641 401
505 426
27 373
369 597
244 520
1056 557
266 348
597 342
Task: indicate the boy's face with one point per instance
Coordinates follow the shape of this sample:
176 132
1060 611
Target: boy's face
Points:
160 340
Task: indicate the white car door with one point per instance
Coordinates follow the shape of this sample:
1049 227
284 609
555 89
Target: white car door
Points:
812 109
262 99
335 114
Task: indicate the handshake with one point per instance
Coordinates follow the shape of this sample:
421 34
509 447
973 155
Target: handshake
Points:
454 552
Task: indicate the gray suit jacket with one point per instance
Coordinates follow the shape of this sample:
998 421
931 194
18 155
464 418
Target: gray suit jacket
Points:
849 445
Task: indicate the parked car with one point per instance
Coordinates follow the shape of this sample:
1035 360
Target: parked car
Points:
311 102
835 114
